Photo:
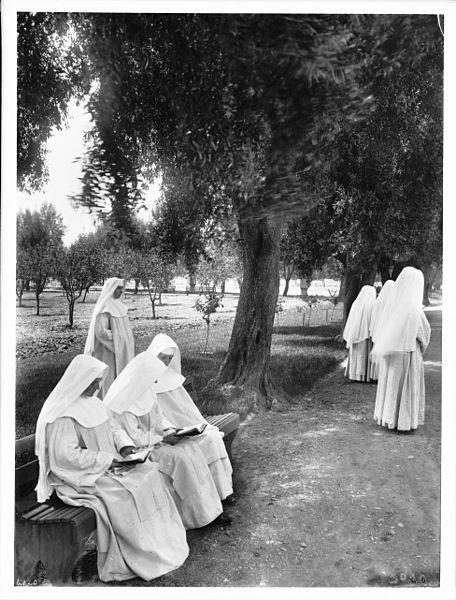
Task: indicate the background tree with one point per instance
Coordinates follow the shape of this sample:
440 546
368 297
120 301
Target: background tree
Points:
39 237
74 272
50 72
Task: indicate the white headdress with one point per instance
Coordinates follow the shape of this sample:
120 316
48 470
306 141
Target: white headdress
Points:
172 377
105 303
357 326
80 373
133 390
400 329
381 308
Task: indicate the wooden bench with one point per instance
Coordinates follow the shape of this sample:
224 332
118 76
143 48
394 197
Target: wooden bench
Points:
53 532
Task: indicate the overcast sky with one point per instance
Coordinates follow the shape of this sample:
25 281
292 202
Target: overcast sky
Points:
64 173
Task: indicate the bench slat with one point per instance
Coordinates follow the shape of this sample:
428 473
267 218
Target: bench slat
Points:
42 515
36 510
59 513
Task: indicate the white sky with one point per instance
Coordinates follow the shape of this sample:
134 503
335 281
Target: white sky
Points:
64 147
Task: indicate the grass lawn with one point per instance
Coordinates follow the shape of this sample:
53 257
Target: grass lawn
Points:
300 355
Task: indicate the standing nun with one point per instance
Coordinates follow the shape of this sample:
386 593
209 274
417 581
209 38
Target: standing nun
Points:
399 349
380 313
133 404
110 337
178 406
356 334
139 530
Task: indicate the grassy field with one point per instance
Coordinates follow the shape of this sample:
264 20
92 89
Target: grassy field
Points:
45 346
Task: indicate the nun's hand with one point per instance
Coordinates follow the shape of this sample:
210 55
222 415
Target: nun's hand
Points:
126 450
171 439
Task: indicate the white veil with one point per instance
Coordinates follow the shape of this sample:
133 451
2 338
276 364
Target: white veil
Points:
381 308
133 390
171 378
80 373
400 329
105 303
357 326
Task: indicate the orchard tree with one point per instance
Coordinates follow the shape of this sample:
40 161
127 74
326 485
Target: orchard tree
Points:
154 272
39 233
38 263
74 273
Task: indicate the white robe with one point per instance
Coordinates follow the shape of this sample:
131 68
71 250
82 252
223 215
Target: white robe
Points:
183 466
400 399
358 364
114 345
139 530
176 405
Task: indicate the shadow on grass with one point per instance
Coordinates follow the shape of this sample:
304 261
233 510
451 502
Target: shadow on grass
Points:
296 364
318 330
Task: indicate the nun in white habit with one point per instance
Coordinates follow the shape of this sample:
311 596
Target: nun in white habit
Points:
139 530
357 336
133 403
178 406
399 348
380 313
110 336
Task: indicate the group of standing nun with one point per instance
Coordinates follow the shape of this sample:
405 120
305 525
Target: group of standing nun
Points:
386 337
110 405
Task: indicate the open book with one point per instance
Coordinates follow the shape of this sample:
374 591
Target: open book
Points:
136 457
192 430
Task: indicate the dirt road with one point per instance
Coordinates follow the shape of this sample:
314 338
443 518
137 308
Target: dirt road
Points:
325 497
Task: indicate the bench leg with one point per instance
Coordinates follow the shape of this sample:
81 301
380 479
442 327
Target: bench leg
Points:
26 551
53 545
228 439
58 551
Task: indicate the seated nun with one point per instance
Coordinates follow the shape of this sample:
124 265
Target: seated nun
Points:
178 406
357 336
133 404
139 530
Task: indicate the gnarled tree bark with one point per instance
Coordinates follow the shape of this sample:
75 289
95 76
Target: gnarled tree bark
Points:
246 363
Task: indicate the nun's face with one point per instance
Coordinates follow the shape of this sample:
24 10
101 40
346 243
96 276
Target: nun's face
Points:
93 388
165 358
118 292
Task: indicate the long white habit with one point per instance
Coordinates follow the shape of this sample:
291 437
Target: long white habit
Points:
110 336
380 312
399 349
356 334
133 403
139 530
178 406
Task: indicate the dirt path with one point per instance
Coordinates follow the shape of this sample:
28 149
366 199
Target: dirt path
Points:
326 497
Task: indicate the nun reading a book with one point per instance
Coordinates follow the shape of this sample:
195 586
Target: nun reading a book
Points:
178 406
139 530
132 401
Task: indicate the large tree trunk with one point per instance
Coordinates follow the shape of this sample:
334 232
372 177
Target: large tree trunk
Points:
353 282
352 287
71 311
247 360
287 284
384 269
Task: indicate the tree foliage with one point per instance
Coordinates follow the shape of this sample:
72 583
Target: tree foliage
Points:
50 71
